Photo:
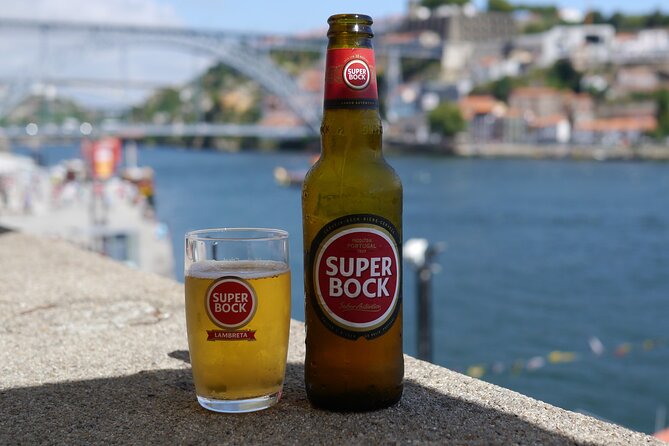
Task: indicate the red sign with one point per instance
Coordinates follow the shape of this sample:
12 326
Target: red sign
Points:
231 302
104 155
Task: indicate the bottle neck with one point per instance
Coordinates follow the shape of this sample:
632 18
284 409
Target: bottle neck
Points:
351 121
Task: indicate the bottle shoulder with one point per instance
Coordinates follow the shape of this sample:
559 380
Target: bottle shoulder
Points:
333 171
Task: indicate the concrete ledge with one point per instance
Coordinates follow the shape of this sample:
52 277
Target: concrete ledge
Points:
93 352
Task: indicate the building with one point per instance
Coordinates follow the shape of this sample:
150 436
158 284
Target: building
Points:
583 45
459 24
553 129
491 68
579 106
464 33
619 131
648 45
640 79
483 114
537 101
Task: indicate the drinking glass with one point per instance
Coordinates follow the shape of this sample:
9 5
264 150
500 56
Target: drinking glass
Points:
237 283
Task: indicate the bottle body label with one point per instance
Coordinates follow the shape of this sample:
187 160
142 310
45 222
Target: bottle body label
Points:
350 79
356 275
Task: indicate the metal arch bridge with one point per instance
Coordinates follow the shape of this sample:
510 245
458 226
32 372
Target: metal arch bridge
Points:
247 53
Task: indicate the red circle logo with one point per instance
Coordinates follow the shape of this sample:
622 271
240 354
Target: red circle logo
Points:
357 278
231 302
356 74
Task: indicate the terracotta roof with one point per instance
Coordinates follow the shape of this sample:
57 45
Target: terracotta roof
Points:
547 121
621 37
400 38
636 123
535 91
515 113
280 119
488 61
311 80
579 96
477 105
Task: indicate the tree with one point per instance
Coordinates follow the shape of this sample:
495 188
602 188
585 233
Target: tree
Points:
433 4
662 114
501 88
446 119
500 6
655 20
617 20
595 18
563 75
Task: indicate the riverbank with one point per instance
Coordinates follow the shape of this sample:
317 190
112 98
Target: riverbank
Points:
555 151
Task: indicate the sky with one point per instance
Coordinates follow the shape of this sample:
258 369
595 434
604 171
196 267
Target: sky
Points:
282 16
25 56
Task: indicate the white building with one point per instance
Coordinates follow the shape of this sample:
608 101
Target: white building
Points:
646 45
582 44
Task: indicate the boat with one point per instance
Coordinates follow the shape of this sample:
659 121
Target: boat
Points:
285 177
292 177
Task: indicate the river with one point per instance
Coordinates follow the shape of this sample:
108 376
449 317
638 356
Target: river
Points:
543 261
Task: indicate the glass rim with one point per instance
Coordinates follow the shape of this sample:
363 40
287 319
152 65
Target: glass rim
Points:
227 234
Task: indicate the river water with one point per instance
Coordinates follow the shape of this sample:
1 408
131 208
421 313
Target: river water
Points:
545 263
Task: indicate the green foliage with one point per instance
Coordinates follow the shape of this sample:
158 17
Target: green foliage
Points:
432 4
170 104
422 69
545 18
623 22
500 6
662 113
41 110
563 75
165 101
295 61
544 11
537 27
446 119
501 88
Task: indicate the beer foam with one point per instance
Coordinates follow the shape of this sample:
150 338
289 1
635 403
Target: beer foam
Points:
246 269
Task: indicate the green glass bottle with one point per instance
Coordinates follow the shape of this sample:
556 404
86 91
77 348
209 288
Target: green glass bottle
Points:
352 226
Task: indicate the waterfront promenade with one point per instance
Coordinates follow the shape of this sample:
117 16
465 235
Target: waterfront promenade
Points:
94 352
562 151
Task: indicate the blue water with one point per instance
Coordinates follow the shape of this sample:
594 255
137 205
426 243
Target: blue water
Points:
540 256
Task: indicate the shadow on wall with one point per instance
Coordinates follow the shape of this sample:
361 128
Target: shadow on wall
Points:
160 407
4 230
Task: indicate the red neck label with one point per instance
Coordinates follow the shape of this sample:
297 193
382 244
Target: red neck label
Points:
350 79
356 275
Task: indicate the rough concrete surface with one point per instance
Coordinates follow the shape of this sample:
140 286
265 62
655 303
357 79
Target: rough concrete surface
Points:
94 352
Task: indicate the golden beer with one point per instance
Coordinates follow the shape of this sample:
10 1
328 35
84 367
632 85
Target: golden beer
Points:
242 358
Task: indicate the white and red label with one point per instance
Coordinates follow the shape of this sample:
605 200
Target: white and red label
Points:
356 278
356 74
231 302
350 79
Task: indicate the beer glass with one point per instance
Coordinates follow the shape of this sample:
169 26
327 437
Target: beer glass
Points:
237 284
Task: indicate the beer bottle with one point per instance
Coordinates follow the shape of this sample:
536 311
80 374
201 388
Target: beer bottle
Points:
352 223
